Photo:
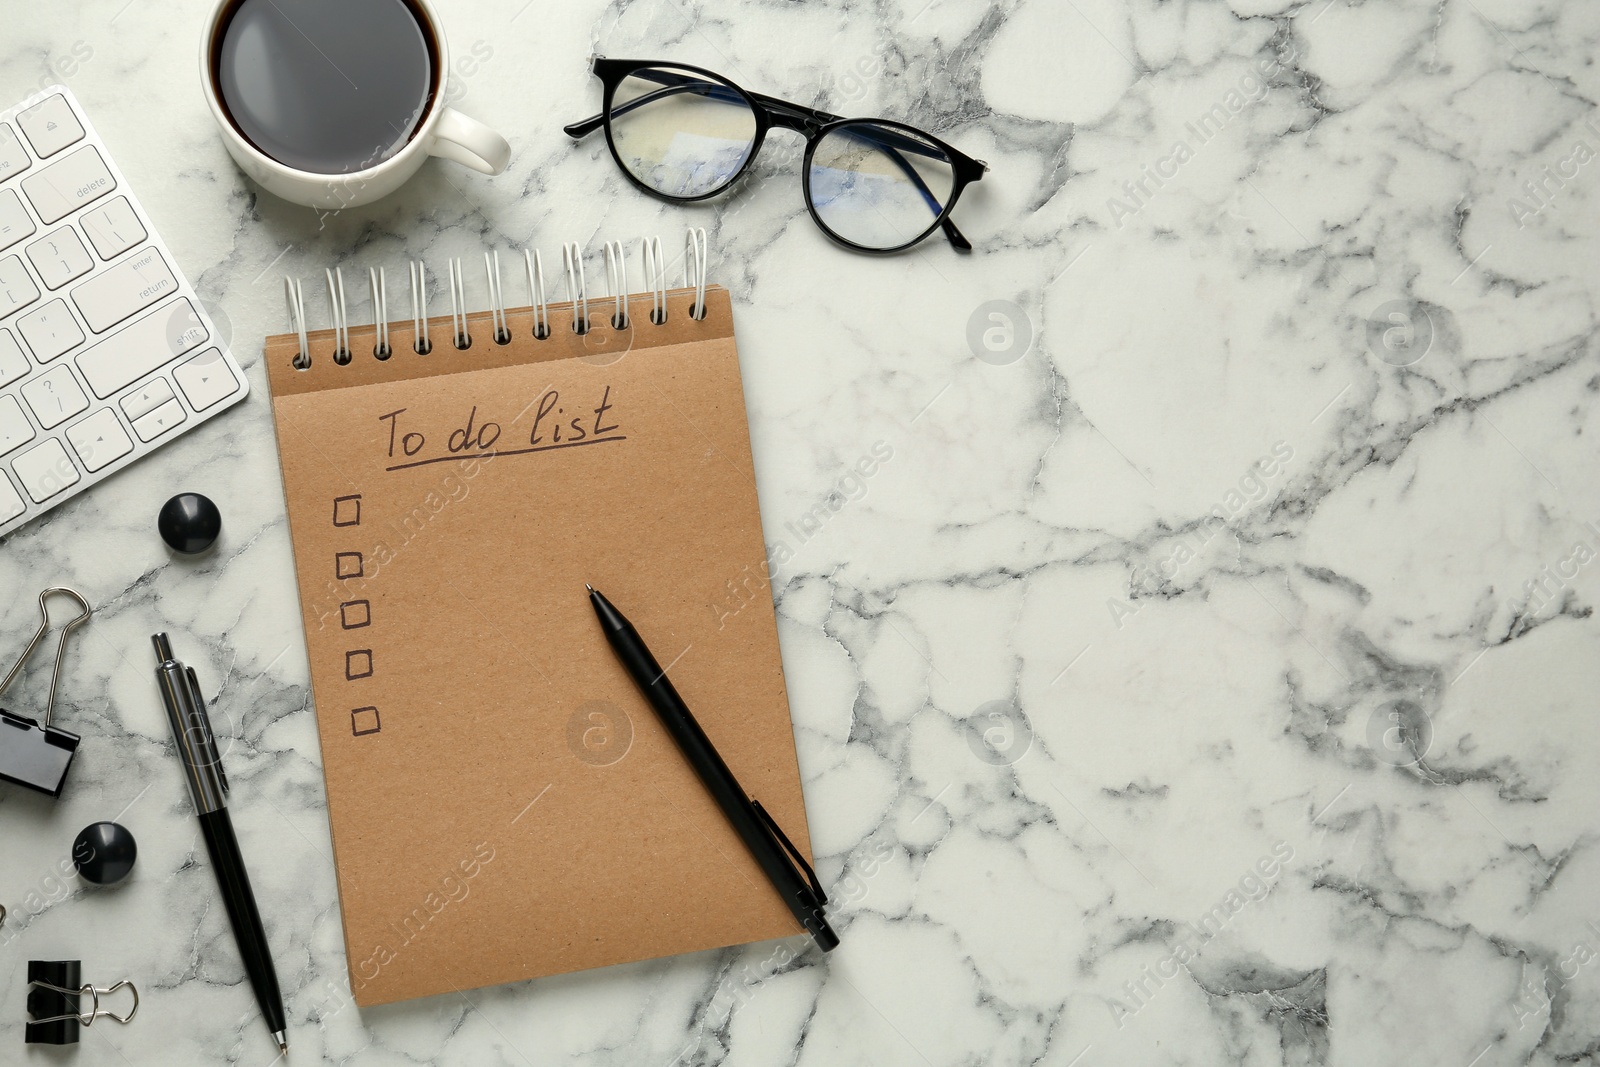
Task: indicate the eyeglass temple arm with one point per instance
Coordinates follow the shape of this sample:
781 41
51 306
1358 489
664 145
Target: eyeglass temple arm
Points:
674 84
579 130
587 126
957 239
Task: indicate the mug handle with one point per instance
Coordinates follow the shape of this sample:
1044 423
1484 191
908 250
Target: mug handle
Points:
469 142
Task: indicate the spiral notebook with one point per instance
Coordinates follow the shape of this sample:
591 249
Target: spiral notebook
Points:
504 805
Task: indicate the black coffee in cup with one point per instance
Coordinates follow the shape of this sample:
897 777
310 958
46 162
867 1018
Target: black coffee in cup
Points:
327 86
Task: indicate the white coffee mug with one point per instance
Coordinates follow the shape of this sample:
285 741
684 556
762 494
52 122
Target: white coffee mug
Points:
443 131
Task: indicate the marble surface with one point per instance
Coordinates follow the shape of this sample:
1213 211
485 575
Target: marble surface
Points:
1208 677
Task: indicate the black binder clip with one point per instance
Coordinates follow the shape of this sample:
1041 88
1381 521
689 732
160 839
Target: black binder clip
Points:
55 1002
36 754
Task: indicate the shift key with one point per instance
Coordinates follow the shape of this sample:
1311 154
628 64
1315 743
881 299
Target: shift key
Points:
141 347
129 287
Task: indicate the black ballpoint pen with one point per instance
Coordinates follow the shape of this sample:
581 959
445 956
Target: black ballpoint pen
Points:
208 787
762 835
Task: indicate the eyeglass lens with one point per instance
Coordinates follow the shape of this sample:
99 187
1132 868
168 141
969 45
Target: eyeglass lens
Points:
681 133
877 186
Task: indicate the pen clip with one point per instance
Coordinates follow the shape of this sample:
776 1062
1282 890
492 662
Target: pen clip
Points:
811 876
213 754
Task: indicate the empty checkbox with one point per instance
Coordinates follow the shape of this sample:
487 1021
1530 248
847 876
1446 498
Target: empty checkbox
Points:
364 721
347 511
354 614
358 664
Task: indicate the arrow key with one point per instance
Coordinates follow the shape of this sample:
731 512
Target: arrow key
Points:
166 417
206 379
99 440
146 398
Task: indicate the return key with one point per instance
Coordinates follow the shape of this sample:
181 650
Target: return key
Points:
129 287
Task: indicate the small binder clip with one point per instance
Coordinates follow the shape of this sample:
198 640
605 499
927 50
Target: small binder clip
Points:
55 1002
32 753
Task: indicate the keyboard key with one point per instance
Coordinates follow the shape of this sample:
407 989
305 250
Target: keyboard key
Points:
62 188
147 397
206 379
50 331
15 224
99 440
13 157
166 417
141 347
13 364
113 229
17 290
45 469
55 396
11 504
50 126
15 429
129 287
59 257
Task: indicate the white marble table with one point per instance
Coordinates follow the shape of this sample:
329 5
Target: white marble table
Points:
1208 676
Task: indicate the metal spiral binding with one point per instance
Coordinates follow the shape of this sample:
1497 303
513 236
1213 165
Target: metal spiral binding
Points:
572 259
458 307
297 322
536 296
695 262
497 300
696 265
419 308
655 278
617 282
379 286
341 320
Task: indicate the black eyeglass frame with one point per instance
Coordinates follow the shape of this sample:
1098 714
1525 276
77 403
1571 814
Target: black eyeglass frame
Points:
770 112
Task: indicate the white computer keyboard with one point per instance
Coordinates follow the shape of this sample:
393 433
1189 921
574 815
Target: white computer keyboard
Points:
105 352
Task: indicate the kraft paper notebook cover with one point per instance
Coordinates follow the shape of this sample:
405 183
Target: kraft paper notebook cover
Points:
504 804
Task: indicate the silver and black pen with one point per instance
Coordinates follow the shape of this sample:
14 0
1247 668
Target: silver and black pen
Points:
208 786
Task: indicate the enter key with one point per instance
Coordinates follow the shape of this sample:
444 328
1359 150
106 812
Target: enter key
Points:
124 290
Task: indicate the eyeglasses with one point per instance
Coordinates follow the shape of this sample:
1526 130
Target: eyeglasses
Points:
683 133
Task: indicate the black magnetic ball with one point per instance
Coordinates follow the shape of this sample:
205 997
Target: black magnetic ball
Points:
104 853
189 523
